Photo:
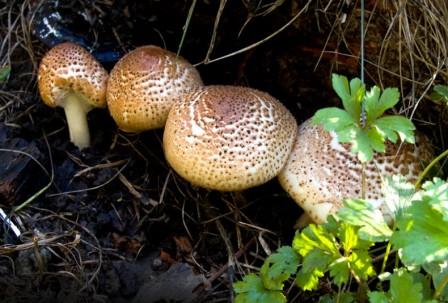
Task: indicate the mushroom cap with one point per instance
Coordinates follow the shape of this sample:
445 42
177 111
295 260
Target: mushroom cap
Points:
228 138
144 84
69 68
321 172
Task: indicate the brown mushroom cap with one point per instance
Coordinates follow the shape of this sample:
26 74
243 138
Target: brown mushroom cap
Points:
144 84
69 68
228 138
320 171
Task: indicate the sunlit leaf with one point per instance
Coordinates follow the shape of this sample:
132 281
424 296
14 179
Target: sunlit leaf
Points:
333 118
390 126
278 267
372 226
422 236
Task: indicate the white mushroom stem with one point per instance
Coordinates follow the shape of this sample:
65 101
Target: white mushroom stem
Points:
76 113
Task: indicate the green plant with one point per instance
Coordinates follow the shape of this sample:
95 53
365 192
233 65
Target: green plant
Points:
366 133
346 246
440 94
4 73
351 250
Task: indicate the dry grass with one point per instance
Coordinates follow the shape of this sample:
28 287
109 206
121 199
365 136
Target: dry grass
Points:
18 51
406 43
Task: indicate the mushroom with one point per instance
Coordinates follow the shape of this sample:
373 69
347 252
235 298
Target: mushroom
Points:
144 84
228 138
70 77
321 172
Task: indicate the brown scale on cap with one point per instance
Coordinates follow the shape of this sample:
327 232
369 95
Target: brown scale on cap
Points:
70 77
228 138
320 172
144 84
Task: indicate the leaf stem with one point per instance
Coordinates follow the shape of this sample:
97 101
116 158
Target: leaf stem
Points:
422 176
386 256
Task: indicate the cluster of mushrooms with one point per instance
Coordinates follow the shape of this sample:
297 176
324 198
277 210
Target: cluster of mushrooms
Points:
225 138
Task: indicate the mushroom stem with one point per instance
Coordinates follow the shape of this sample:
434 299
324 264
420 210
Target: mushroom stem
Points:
76 113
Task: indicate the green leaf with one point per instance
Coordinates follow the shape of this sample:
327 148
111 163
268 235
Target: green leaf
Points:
376 105
361 264
351 96
340 271
356 256
404 289
369 218
343 297
314 237
278 267
376 140
439 273
389 98
347 134
251 290
422 235
340 86
398 194
348 236
442 91
440 94
309 280
314 266
371 100
378 297
390 126
357 92
436 194
333 119
4 73
318 249
361 145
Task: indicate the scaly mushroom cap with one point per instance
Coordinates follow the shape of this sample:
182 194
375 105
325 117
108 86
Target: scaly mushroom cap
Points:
144 84
69 68
228 138
320 171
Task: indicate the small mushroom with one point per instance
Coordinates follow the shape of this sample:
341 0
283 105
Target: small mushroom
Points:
228 138
70 77
144 84
321 172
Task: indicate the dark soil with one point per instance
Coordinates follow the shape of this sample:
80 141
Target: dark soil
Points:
115 223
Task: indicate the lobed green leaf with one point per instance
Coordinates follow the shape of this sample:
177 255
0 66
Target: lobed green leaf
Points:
278 267
398 194
252 290
361 145
340 271
403 288
333 119
390 126
369 219
422 235
436 194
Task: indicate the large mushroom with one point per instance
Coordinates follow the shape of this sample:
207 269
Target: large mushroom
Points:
321 172
70 77
144 84
228 138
